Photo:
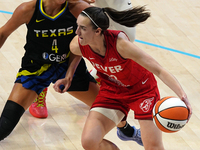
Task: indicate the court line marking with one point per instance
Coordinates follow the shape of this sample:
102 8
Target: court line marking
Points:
169 49
146 43
6 12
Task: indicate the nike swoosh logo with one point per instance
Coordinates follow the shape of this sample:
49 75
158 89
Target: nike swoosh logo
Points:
40 20
91 58
143 82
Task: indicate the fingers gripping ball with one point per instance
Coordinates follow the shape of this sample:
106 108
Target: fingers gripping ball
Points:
170 114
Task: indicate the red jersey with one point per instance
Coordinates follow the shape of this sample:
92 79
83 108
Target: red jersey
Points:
125 84
112 68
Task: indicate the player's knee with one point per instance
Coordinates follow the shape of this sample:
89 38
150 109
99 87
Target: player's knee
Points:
154 148
153 145
9 118
88 143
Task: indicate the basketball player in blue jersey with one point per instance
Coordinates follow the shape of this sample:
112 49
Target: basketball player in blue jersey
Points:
51 25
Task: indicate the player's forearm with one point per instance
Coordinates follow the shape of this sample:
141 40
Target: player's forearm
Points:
172 83
73 64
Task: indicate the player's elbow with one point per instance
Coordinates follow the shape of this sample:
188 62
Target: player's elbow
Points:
3 37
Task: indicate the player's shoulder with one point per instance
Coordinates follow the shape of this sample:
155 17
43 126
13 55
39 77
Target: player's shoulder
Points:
123 36
123 43
27 6
122 39
74 46
74 43
24 11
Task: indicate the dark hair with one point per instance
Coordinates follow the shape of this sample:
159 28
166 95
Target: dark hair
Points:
130 17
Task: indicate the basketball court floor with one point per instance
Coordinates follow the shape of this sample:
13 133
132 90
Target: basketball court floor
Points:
171 35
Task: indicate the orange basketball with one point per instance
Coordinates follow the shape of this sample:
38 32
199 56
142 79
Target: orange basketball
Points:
170 114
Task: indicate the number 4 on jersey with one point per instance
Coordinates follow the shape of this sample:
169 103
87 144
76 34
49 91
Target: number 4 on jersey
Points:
54 46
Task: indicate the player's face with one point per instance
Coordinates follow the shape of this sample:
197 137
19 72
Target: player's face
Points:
85 30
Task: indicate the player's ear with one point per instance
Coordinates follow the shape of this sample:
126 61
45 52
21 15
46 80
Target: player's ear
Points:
98 30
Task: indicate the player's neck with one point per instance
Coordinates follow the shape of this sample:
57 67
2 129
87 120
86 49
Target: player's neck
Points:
99 46
51 8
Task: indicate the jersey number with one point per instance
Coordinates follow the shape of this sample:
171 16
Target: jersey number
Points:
54 46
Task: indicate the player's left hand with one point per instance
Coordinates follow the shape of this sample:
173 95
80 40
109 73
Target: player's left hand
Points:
186 101
62 85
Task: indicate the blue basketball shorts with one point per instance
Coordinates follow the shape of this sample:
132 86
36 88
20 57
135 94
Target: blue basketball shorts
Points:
46 74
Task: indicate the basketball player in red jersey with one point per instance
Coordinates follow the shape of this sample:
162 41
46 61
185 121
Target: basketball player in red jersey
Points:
124 130
126 73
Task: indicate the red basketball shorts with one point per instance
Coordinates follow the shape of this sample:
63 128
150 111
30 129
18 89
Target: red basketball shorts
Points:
140 98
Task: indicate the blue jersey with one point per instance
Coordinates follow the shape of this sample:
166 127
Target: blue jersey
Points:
48 37
47 51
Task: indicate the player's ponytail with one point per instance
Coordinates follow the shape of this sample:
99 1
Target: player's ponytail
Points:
129 18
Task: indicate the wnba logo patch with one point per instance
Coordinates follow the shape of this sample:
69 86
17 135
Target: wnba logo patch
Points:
145 105
45 55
